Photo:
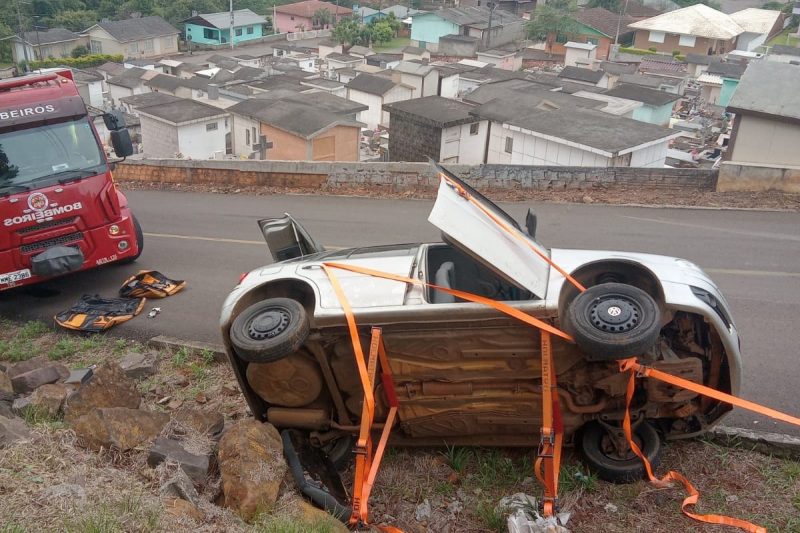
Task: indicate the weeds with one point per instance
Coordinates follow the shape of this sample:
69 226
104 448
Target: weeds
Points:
457 457
62 349
31 330
207 356
491 517
180 357
34 416
573 477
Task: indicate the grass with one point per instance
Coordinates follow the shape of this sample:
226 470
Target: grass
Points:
398 43
783 38
457 457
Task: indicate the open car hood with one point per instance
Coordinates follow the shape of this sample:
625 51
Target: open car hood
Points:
507 251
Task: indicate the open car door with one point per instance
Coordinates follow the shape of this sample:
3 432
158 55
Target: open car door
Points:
287 239
489 235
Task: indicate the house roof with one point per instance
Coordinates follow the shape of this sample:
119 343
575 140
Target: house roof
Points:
698 20
343 58
241 17
639 10
308 7
473 16
698 59
649 81
604 21
782 49
756 20
400 11
617 68
360 50
182 110
129 77
609 134
148 99
297 118
85 76
49 36
414 50
111 68
580 46
727 69
460 38
135 29
165 82
582 74
416 69
709 79
495 52
638 93
525 94
768 88
371 84
661 64
377 59
435 110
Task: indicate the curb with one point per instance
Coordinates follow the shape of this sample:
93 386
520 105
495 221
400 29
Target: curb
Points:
775 444
195 347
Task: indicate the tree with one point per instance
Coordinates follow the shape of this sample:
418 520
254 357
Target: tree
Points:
348 32
76 21
381 32
321 18
551 20
79 51
615 6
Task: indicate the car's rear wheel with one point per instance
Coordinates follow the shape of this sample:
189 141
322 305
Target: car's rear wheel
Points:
608 454
613 321
269 330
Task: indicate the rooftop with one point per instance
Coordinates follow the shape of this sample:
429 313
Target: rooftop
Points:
360 50
756 20
777 80
638 93
533 54
371 84
461 38
639 10
417 69
182 110
297 118
604 21
148 99
649 81
307 8
698 20
343 58
85 76
582 74
495 52
698 59
435 110
727 69
617 68
526 94
580 46
241 17
660 64
414 50
111 68
52 35
473 16
135 29
785 50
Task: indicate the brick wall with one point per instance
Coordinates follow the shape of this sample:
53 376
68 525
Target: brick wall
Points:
405 176
411 140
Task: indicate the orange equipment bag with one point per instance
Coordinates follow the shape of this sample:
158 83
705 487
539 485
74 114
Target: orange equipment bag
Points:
150 284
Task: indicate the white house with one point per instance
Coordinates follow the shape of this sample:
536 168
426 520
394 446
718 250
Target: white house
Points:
758 25
44 43
140 37
375 91
422 77
438 128
130 82
579 54
184 128
335 61
90 87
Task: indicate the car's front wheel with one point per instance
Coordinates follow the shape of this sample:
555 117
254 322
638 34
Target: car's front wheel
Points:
270 330
607 453
613 321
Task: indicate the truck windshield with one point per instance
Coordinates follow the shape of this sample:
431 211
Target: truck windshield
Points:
67 150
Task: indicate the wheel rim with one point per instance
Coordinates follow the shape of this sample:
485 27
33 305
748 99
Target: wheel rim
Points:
615 313
268 324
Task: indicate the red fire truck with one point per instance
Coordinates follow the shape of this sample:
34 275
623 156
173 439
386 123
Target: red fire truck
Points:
60 211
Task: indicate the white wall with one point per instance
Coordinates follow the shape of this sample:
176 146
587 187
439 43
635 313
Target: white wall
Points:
460 146
530 150
449 86
431 84
653 156
397 94
372 116
159 139
749 41
117 91
241 125
197 143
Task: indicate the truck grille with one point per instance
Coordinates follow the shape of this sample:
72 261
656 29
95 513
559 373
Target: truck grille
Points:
41 245
46 225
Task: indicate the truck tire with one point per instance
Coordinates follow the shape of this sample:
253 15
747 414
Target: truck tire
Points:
139 242
609 466
269 330
613 321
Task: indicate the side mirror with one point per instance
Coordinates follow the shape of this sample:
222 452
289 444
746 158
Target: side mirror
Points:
115 120
121 141
530 223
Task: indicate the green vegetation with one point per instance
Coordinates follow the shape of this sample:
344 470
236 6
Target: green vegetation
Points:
637 51
350 31
783 38
92 60
552 19
396 44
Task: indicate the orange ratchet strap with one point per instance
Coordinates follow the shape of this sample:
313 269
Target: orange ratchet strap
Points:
552 432
635 369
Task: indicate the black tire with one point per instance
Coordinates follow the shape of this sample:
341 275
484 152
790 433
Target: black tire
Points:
137 229
340 452
608 466
613 321
270 330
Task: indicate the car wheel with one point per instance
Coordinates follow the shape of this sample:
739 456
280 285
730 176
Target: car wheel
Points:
270 330
340 452
608 454
613 321
139 242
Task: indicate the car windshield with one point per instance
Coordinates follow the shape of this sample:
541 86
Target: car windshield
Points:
63 150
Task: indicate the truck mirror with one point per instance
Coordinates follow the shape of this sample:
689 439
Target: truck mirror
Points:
121 141
530 223
115 120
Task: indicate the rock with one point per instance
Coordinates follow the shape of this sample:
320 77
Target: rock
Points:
26 366
79 376
311 515
108 387
175 404
179 508
48 399
518 501
12 430
180 486
139 365
610 508
455 507
209 423
252 466
119 427
71 492
195 466
5 384
32 379
588 199
6 409
20 404
423 512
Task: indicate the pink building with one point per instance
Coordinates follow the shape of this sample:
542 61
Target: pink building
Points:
299 16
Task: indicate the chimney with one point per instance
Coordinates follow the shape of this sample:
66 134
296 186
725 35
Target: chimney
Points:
213 91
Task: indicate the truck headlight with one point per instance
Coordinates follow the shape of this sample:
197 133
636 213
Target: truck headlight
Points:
113 229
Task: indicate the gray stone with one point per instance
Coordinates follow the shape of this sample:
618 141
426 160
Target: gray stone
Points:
180 486
73 493
79 376
5 384
108 387
139 365
31 380
48 399
12 430
5 409
195 466
27 366
423 511
20 404
776 444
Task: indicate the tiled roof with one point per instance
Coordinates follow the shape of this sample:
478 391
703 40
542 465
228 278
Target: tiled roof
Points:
698 20
604 21
309 7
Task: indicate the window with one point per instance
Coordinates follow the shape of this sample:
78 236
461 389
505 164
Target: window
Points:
212 126
249 30
208 33
561 38
148 45
247 137
686 40
133 48
238 32
255 137
473 129
593 41
656 37
509 144
96 47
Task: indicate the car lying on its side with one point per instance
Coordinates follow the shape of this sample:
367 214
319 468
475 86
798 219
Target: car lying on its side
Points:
464 373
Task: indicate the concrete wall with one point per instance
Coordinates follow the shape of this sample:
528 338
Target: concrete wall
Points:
654 115
285 146
241 125
765 142
340 143
427 28
452 47
736 176
154 47
372 116
158 138
197 34
462 147
196 142
529 150
317 176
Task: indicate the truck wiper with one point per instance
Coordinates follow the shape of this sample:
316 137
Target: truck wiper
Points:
7 189
68 176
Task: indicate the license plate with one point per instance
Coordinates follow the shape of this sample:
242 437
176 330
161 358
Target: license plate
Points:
13 277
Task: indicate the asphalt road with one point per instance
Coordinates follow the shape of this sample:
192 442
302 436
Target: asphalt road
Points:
210 239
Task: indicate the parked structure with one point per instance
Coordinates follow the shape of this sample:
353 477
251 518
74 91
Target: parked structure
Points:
299 16
184 128
504 59
656 106
141 37
579 54
596 78
374 92
429 27
424 78
215 28
90 87
766 129
697 29
42 44
411 53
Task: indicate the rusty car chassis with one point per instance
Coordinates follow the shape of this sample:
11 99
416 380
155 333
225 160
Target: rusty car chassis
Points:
465 374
